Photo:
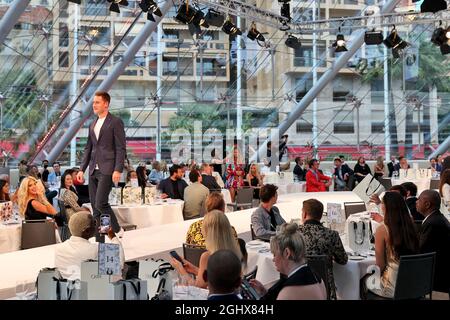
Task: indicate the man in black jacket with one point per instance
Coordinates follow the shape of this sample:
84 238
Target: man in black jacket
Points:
173 187
411 199
391 166
343 176
208 180
435 237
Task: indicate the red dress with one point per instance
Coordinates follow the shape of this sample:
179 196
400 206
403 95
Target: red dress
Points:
314 181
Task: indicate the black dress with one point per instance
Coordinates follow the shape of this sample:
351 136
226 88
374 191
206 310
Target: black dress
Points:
254 183
365 170
32 214
302 277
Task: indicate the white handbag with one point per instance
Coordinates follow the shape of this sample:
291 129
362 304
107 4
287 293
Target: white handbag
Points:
149 195
6 211
159 275
132 196
115 196
51 286
132 289
367 187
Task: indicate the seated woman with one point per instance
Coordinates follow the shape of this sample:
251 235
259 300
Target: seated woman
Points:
444 187
255 180
131 175
141 176
68 194
33 205
394 238
301 283
195 236
156 175
361 169
218 236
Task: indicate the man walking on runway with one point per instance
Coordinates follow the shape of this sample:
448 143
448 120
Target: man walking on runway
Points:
104 154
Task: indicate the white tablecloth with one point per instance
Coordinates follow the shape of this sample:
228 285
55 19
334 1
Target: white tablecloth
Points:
422 183
144 216
138 244
295 187
10 237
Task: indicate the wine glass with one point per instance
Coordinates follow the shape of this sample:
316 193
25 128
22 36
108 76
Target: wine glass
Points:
21 289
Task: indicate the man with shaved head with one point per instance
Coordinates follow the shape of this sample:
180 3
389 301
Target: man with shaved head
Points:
435 237
223 275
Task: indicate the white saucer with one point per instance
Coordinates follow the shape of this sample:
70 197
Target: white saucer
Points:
255 243
356 258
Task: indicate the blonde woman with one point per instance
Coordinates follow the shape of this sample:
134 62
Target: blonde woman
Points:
218 236
33 205
379 167
255 180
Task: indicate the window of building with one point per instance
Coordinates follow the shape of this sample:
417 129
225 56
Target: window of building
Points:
303 56
63 59
343 121
377 91
302 87
377 118
63 35
305 123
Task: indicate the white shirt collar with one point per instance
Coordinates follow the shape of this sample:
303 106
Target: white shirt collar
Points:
296 269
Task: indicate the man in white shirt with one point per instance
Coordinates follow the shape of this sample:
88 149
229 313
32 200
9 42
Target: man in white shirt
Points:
70 254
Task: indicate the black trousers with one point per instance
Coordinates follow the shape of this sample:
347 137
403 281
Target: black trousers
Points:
100 186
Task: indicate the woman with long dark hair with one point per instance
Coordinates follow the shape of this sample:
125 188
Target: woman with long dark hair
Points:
444 187
4 190
394 238
142 176
69 195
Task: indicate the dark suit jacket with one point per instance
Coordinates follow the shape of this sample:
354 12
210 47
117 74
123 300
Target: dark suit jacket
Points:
225 297
345 169
411 203
435 237
299 172
210 182
166 187
109 151
397 167
390 166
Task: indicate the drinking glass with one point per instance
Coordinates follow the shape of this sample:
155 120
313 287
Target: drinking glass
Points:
21 290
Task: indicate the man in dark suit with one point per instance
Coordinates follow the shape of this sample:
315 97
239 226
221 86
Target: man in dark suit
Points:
402 164
391 166
173 187
104 153
223 276
411 199
208 180
435 237
343 176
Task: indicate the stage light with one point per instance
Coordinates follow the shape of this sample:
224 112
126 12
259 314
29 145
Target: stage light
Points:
433 6
230 29
75 1
284 26
340 44
185 14
286 11
373 37
293 42
253 34
115 5
199 19
441 38
214 18
151 8
394 42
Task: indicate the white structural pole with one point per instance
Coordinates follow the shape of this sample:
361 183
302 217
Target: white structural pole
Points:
158 92
74 83
387 135
239 84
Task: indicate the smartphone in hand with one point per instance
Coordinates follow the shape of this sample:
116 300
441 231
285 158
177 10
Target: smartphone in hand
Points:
176 256
105 223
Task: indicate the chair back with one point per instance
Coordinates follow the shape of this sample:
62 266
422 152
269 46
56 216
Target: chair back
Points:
37 233
354 207
386 183
64 229
415 276
319 265
244 197
434 184
192 253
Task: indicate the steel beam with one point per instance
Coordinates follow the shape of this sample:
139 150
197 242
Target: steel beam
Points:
11 16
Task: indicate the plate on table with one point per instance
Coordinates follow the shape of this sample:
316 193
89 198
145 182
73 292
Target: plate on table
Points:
356 258
255 243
